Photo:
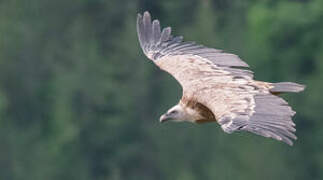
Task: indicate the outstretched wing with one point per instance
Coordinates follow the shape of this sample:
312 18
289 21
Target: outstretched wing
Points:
215 79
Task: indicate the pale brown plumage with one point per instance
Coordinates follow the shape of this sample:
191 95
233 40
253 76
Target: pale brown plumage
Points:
215 89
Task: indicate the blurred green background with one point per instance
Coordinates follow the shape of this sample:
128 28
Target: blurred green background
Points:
79 100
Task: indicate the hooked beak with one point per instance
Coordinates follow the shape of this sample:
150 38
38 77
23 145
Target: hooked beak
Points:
164 118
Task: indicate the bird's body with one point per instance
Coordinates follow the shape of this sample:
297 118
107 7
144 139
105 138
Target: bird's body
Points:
215 88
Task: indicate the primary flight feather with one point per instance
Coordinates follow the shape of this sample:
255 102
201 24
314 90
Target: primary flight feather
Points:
215 89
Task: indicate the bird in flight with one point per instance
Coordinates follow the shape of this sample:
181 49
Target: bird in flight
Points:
217 87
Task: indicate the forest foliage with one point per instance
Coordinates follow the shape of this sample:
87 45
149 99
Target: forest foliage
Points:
79 100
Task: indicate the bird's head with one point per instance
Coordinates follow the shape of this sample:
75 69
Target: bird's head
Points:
176 113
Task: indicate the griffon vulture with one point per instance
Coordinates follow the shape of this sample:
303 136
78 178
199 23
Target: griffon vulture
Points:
215 89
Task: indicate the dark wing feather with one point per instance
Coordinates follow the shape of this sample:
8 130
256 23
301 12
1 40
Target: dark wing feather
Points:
213 78
271 118
156 44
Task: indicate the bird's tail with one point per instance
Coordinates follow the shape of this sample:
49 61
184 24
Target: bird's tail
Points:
287 87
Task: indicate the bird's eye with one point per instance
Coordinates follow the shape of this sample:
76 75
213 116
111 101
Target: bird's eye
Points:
173 112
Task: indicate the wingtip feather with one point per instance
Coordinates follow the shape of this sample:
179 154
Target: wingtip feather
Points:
287 87
146 13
